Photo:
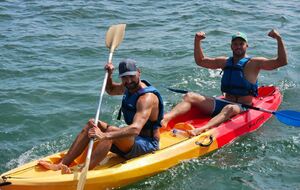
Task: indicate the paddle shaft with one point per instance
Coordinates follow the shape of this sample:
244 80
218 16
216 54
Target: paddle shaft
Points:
102 90
247 106
91 143
114 37
243 105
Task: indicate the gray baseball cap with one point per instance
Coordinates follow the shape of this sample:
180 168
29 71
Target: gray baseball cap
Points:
127 67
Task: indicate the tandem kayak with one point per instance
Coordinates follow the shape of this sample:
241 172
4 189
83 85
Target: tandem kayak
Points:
115 171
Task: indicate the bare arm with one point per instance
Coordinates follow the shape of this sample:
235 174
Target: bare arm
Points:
113 88
144 109
279 61
201 60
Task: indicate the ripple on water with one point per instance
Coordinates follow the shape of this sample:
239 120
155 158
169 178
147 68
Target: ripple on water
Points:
51 70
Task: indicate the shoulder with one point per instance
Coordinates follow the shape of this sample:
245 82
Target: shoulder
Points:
257 61
147 98
221 61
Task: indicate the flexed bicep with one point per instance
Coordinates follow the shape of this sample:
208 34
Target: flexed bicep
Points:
266 64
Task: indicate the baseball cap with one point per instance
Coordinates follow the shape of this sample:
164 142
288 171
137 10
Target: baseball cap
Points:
240 35
127 67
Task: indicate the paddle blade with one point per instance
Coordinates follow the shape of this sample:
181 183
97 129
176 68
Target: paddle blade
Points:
288 117
178 90
114 36
82 179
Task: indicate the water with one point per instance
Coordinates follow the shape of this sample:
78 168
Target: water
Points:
51 70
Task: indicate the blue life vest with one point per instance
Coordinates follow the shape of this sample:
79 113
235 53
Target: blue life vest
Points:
233 80
129 106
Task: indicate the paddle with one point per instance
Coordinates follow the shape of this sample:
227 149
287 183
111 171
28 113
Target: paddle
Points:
288 117
114 37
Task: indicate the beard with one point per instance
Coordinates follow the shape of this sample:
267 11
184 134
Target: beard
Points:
132 86
239 53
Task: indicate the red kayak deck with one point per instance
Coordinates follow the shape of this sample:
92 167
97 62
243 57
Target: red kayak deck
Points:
269 97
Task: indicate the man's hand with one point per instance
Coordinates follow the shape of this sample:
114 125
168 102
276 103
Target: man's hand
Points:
274 34
109 67
102 125
200 36
95 132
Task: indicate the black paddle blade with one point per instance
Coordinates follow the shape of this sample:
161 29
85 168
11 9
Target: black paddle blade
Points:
178 91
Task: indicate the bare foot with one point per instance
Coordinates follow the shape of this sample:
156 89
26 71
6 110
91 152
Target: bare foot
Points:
164 123
65 169
48 165
54 167
195 132
192 132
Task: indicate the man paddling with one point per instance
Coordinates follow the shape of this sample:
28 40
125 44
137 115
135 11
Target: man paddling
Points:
142 108
239 80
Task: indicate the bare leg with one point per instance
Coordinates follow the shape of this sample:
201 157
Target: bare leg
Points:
226 113
75 150
99 153
78 146
190 99
103 147
180 109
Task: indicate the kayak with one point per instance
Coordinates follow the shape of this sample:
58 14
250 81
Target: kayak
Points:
114 171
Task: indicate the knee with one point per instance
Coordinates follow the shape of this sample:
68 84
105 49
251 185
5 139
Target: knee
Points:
192 97
87 126
229 111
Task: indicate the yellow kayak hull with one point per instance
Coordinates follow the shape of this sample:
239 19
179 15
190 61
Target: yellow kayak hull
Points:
114 171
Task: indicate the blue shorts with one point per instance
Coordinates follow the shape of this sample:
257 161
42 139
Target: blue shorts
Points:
219 105
142 145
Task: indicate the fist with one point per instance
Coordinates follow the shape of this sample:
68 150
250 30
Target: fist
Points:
200 36
109 67
91 123
95 132
274 34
